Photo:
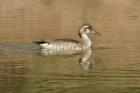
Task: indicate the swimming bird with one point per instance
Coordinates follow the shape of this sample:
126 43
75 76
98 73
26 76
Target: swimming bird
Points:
70 45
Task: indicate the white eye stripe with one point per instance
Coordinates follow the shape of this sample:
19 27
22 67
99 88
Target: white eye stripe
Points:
86 26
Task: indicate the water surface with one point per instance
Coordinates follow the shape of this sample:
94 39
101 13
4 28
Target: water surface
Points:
116 62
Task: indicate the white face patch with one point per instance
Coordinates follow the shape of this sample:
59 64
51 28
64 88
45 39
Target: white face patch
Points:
87 30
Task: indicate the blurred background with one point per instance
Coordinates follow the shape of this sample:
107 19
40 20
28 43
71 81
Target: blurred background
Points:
29 20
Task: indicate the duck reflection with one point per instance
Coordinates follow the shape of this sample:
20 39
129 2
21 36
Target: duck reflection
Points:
84 60
46 52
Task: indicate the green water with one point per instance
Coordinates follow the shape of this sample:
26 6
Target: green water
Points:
116 61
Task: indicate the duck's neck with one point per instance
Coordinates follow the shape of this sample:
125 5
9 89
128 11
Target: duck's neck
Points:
87 42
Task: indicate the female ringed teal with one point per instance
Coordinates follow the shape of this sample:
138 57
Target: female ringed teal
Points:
70 44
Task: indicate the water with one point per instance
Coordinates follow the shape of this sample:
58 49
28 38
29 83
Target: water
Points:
114 67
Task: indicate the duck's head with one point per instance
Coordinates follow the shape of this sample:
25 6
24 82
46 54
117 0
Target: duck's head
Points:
85 29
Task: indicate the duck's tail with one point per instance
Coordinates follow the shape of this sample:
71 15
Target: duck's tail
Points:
39 42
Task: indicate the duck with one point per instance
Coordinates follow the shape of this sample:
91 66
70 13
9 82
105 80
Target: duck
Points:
69 45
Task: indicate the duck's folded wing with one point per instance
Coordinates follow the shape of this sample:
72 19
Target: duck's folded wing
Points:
66 40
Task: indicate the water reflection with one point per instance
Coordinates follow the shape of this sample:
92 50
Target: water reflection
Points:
63 53
84 60
12 77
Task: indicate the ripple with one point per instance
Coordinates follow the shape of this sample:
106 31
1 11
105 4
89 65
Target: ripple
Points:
15 49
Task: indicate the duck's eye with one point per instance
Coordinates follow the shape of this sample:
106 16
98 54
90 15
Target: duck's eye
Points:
91 28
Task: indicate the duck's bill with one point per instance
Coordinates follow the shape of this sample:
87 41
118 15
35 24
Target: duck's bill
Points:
96 33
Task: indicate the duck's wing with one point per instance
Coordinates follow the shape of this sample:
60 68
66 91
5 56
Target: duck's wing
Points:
57 41
67 40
